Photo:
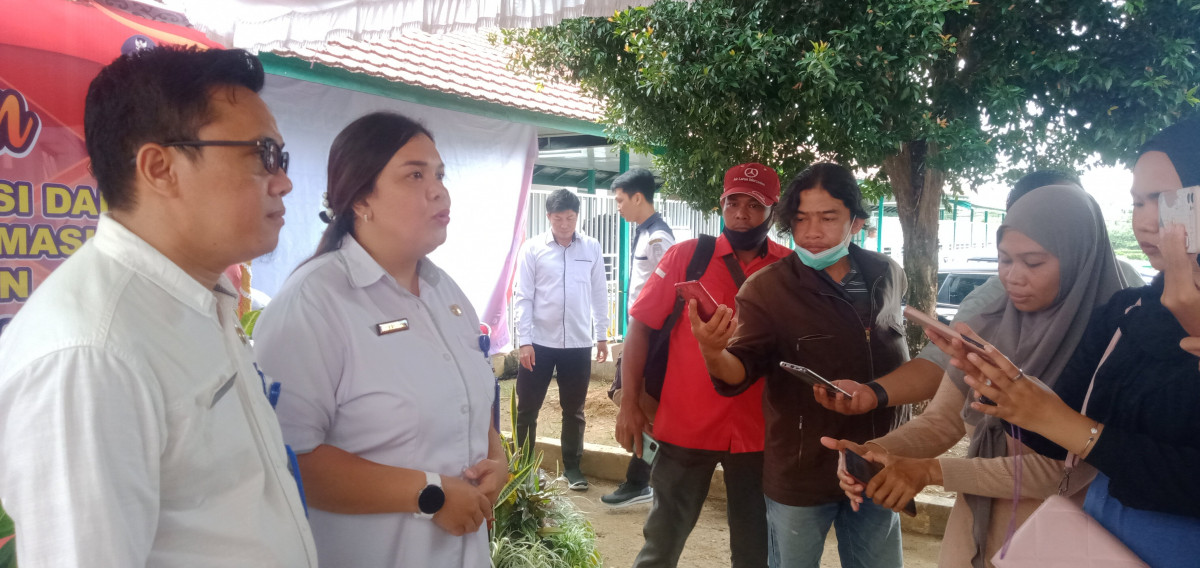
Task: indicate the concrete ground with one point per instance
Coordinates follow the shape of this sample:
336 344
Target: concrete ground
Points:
619 534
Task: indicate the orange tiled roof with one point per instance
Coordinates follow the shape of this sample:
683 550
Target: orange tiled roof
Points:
467 65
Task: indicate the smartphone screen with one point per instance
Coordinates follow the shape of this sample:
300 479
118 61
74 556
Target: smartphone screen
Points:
859 467
706 306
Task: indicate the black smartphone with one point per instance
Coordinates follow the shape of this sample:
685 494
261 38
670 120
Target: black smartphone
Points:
863 471
860 468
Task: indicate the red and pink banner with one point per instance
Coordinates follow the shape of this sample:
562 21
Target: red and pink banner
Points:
49 52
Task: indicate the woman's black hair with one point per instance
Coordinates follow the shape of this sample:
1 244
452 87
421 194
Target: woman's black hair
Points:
357 156
835 179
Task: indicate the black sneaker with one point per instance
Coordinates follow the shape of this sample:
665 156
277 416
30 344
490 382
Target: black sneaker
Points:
575 480
627 495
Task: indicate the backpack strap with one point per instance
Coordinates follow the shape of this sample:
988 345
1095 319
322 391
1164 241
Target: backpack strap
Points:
705 246
735 270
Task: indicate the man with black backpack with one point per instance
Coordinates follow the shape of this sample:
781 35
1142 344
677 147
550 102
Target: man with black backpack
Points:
695 427
634 193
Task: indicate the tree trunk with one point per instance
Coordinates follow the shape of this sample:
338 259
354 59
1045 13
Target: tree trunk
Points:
918 191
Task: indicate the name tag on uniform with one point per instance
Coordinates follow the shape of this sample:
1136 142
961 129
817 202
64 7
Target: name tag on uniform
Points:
391 326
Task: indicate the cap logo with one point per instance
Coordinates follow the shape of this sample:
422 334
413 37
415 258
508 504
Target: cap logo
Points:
750 172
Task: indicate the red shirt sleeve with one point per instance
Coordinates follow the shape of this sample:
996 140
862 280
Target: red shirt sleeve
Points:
657 298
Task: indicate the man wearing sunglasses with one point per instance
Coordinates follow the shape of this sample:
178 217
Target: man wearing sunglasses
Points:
136 427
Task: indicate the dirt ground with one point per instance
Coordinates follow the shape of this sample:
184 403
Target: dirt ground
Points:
619 531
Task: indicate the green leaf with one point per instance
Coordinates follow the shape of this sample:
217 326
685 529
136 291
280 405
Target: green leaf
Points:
249 320
8 554
1013 84
6 524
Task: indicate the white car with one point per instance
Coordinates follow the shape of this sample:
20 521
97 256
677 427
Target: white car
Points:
955 283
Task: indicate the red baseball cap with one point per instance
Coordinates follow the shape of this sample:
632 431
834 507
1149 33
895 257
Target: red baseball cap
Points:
755 180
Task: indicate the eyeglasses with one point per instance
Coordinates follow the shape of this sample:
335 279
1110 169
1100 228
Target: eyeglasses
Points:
272 154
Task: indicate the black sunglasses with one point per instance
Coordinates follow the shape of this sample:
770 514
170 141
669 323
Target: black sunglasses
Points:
272 154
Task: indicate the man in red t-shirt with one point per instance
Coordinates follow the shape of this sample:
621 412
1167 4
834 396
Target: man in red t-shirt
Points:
697 428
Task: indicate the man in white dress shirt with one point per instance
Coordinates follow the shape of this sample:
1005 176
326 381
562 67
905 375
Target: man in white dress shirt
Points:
561 303
136 427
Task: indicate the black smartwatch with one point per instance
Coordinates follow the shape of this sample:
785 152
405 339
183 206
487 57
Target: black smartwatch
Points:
431 498
880 394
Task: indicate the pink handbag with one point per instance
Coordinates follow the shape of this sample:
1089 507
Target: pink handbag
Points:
1060 534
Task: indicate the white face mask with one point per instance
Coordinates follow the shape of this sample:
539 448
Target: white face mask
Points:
827 257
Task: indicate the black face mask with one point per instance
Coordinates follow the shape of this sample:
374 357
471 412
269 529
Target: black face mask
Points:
748 240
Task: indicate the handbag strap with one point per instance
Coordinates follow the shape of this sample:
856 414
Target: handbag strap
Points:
1073 459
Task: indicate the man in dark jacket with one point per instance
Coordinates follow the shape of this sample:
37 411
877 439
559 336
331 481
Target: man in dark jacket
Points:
834 308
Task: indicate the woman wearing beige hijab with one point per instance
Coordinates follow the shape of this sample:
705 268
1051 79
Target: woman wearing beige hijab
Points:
1056 265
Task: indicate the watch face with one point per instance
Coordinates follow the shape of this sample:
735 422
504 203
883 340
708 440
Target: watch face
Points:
431 499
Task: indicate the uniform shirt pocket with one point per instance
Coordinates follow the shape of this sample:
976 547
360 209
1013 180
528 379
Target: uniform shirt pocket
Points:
579 270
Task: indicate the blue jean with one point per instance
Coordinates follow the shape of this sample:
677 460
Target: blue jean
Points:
1160 539
869 538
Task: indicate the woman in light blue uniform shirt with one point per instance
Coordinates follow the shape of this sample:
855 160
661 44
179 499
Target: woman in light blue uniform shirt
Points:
386 398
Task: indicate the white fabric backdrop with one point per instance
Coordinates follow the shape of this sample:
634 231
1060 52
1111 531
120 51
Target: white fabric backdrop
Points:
271 24
489 167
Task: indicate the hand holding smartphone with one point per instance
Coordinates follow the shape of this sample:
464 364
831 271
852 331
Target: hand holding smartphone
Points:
812 378
706 306
929 322
863 471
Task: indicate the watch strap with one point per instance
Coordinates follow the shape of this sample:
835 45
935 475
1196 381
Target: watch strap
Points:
881 395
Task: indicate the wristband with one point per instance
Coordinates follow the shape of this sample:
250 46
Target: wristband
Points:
1091 438
881 395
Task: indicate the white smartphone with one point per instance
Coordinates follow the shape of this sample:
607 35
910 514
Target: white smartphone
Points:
649 448
811 377
1180 207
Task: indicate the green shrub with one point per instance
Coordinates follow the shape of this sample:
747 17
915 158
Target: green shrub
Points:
535 524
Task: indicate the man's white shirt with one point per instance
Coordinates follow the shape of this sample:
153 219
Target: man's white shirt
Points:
561 298
136 430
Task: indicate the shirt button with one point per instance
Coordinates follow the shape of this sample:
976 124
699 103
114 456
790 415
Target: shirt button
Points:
464 409
446 356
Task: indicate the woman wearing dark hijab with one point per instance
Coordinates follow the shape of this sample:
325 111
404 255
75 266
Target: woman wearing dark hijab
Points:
1141 387
1057 266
